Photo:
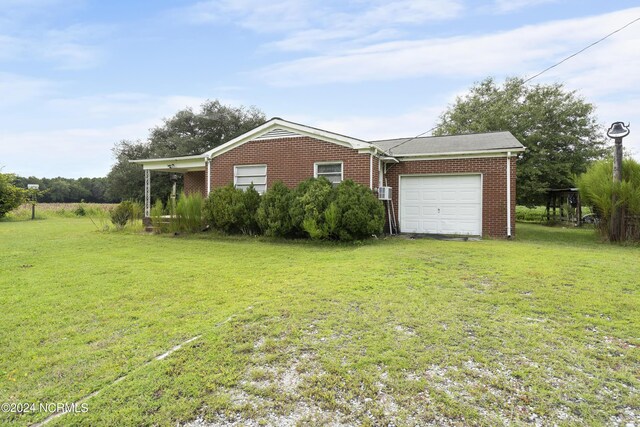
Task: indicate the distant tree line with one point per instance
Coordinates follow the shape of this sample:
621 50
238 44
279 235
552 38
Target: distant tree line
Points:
186 133
68 190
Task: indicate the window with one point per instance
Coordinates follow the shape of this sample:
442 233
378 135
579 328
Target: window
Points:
244 176
332 171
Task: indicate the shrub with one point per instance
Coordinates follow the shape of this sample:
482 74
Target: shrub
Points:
10 196
537 214
311 198
273 216
157 220
188 213
232 210
122 214
597 188
359 212
80 210
250 204
349 211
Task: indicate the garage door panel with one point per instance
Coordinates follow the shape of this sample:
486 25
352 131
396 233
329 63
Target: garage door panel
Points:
450 204
430 227
429 196
428 211
413 211
458 227
412 226
412 195
452 212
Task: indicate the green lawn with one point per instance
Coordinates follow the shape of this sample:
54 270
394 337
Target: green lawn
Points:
544 329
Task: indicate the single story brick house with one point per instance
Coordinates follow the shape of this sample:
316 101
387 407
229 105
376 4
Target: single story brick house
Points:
460 184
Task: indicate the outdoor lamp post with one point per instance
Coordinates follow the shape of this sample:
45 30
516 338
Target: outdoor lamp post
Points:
174 179
617 131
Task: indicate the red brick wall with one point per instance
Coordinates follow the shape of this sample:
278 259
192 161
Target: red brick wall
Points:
494 196
195 182
291 160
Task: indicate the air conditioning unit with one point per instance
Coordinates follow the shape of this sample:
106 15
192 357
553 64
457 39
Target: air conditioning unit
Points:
384 193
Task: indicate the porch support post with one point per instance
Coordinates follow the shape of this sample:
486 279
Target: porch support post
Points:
147 193
208 161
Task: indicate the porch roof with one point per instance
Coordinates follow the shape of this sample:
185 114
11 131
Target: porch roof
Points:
174 164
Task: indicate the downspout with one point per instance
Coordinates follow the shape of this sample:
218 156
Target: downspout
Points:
508 194
208 160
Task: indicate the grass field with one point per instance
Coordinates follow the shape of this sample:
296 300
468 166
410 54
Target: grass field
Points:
542 330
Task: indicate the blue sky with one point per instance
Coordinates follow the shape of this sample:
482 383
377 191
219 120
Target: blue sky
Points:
77 76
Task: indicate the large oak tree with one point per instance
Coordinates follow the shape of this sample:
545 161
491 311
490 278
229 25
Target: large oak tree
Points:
186 133
558 128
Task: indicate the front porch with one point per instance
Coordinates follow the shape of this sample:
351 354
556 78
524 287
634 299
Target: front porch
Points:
175 165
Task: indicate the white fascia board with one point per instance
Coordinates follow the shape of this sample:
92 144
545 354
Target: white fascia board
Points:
178 164
459 154
344 141
164 159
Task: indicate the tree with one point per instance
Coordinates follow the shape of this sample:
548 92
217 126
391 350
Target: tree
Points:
10 196
186 133
558 128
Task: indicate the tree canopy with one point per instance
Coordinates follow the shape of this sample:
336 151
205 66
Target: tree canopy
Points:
186 133
10 196
558 128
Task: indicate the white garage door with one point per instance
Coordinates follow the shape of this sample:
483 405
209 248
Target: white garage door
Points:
446 204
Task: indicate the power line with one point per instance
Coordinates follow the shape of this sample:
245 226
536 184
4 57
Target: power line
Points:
538 74
580 51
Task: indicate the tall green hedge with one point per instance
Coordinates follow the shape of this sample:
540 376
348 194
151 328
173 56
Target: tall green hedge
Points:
231 210
319 210
10 196
315 209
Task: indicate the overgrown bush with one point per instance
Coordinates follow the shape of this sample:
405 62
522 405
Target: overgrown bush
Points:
347 212
81 210
188 213
157 212
315 209
232 210
10 196
311 199
597 189
123 213
359 212
273 216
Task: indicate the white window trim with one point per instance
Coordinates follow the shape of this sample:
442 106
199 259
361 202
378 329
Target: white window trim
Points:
340 162
235 175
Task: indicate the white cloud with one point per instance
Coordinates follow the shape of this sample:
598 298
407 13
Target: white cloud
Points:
517 52
260 16
15 89
74 47
23 38
313 24
507 6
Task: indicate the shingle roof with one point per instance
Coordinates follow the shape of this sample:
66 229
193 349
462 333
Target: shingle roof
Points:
436 145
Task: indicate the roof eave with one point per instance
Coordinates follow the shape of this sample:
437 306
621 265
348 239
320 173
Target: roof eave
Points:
464 153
